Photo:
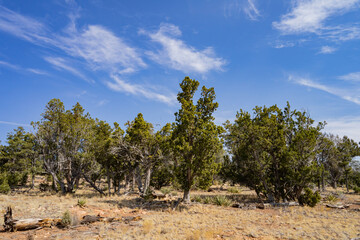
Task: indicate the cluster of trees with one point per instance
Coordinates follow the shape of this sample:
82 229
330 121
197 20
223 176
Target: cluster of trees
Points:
281 153
278 153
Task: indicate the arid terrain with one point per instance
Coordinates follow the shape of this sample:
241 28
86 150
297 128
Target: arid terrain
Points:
194 221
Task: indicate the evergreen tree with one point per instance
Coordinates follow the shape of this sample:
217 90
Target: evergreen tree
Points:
195 137
274 151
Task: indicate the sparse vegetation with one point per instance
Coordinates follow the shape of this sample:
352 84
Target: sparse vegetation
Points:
66 219
81 203
233 190
310 198
279 154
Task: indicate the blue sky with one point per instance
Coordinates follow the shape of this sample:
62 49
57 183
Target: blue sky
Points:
119 58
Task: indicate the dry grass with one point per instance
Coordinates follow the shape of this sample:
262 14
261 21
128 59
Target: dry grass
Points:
195 221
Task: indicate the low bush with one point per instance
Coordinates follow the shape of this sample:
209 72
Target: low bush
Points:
66 219
222 201
81 203
309 198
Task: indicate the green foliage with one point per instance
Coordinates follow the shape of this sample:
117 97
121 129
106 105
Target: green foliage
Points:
273 151
81 203
218 200
166 190
332 198
66 219
233 190
356 189
4 185
309 198
221 200
19 158
195 137
197 198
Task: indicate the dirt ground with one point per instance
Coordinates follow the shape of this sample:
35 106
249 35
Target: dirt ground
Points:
194 221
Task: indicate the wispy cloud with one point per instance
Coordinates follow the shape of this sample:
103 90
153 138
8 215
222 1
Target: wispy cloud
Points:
310 16
176 54
8 65
350 94
251 10
327 50
237 7
344 126
102 49
23 27
15 124
97 48
120 85
37 71
21 69
61 63
353 77
95 44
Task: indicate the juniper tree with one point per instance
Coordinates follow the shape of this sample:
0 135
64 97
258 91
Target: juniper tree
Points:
274 151
195 137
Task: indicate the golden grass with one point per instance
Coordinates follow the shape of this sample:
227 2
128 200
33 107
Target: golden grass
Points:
195 221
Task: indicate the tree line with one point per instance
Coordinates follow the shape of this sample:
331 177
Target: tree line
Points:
280 153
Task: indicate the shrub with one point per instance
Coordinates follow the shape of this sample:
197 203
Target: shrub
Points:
207 200
331 198
197 198
81 203
4 187
309 198
222 201
233 190
66 219
356 189
166 190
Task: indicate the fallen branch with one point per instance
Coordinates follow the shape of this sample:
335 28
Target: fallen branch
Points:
338 206
13 225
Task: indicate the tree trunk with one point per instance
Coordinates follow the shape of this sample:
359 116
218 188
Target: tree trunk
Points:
133 181
19 225
62 185
32 181
147 180
186 197
108 180
93 185
139 180
322 181
127 182
347 182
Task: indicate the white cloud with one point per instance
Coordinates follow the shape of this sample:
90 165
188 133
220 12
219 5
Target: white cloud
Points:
99 47
21 69
23 27
60 63
8 65
310 15
251 10
237 7
102 49
345 126
353 77
351 94
15 124
37 71
120 85
327 50
176 54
